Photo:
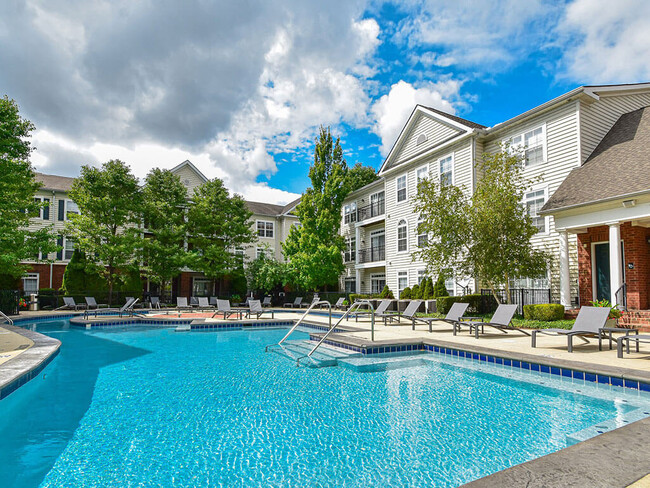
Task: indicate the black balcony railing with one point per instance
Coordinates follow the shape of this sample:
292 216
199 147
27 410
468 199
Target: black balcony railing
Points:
372 254
373 210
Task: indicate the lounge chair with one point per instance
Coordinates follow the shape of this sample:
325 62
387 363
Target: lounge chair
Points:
297 303
408 313
204 303
379 312
69 303
339 304
589 322
181 302
91 303
255 308
127 307
500 320
154 302
194 302
213 301
266 302
132 298
453 316
223 307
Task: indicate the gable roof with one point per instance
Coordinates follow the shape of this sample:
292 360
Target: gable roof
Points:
189 164
289 208
618 167
54 182
460 120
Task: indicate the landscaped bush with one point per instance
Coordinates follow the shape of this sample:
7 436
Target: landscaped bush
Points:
481 304
427 284
439 289
546 312
406 294
416 293
79 277
359 296
386 293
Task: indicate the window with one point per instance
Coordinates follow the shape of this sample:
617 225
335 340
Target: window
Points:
421 275
446 170
264 228
239 252
534 201
201 287
450 286
422 173
260 251
401 188
402 241
423 237
539 283
30 283
67 208
377 282
350 249
68 248
421 139
350 213
402 282
377 204
533 144
350 285
44 211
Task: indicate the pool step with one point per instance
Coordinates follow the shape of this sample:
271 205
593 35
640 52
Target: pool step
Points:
325 356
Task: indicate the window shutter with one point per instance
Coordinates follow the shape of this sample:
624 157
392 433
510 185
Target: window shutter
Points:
46 209
59 243
61 210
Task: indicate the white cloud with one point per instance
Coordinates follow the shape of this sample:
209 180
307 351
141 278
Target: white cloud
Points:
607 42
392 110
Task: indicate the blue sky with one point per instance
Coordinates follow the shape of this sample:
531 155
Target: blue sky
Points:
240 89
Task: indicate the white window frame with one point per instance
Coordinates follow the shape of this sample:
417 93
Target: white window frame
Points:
350 253
422 173
537 189
266 228
520 145
350 281
239 251
350 213
451 289
65 250
422 273
398 189
544 282
40 210
421 235
377 202
259 250
31 276
374 277
406 236
65 214
440 160
402 274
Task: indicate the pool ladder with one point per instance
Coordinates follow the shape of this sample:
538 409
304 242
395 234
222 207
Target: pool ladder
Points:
6 319
331 329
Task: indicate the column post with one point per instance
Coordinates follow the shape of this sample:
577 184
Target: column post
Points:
615 260
565 283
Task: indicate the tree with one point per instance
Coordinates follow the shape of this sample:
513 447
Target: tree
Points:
428 289
107 226
439 289
360 176
217 226
315 248
164 203
80 276
476 237
17 187
266 273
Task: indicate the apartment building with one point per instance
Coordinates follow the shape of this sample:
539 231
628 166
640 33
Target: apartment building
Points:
271 224
558 137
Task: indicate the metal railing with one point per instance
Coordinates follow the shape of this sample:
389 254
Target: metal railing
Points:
332 329
621 296
313 305
375 209
6 319
370 254
522 296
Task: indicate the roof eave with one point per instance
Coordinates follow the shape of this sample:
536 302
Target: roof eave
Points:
555 210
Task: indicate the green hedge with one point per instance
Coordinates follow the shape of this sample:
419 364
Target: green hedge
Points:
546 312
477 303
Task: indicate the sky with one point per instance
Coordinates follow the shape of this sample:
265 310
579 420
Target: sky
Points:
241 88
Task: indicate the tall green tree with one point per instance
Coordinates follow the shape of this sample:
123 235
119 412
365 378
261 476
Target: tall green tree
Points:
266 273
17 187
477 236
164 203
217 225
109 220
360 176
315 248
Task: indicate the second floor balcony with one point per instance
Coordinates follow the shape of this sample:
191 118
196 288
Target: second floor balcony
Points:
371 254
375 209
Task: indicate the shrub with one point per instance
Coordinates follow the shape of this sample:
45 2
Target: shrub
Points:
358 296
546 312
443 304
416 292
406 294
131 282
427 288
386 293
481 304
439 289
81 277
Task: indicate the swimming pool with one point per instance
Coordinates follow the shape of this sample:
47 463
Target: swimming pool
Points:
127 406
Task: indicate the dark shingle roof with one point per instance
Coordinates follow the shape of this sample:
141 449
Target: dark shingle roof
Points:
619 166
289 206
54 182
460 120
261 208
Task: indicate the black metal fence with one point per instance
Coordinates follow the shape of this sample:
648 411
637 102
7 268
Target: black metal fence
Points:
373 210
9 301
523 296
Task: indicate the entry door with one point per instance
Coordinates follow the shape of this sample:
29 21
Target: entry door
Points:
601 270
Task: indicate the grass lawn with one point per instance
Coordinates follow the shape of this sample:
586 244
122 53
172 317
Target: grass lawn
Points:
521 322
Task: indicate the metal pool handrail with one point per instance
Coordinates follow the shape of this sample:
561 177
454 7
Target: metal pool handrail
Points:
331 329
8 320
295 326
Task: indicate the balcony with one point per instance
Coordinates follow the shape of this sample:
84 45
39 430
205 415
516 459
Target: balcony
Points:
371 254
375 209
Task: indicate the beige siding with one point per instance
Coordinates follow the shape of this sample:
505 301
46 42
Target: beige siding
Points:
596 119
435 130
189 178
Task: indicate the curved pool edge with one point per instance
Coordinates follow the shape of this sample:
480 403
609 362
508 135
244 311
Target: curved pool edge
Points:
614 459
29 364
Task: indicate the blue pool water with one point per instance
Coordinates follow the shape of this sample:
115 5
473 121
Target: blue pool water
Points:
151 407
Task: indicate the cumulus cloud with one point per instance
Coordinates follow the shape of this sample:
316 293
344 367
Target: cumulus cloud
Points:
392 110
605 42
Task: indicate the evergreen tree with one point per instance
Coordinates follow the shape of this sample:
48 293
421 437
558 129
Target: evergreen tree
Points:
416 293
428 289
314 249
439 289
81 278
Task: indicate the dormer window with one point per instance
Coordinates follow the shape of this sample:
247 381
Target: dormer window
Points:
421 139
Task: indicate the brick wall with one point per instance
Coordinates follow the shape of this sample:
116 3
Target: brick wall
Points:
43 271
636 251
